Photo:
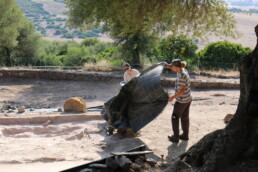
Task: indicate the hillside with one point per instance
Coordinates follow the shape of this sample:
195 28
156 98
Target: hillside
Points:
245 25
49 19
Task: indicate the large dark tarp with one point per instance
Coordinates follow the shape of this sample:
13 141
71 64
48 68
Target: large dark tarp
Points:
139 101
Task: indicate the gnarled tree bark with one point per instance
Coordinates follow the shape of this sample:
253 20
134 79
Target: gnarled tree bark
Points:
234 148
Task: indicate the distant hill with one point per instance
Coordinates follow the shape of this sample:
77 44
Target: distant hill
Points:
245 25
49 19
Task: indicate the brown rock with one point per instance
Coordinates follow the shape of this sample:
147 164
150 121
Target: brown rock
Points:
21 109
228 117
77 104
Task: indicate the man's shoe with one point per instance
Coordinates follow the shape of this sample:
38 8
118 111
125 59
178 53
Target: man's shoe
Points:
183 137
173 139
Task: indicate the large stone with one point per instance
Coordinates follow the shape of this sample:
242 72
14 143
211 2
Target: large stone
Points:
21 109
77 104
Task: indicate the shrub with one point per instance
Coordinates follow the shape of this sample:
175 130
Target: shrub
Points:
176 47
89 42
221 53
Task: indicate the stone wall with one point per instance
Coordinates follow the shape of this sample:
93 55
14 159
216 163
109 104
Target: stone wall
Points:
205 84
107 77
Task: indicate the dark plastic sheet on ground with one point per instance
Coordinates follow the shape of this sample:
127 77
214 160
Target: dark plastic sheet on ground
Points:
139 101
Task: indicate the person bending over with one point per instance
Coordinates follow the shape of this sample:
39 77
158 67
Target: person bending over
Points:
129 72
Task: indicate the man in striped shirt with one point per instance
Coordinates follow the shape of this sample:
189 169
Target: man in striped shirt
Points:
183 100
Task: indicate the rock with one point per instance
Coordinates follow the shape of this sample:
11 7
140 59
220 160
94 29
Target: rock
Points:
7 107
135 167
123 161
222 103
32 109
60 110
21 109
140 161
151 162
111 163
77 104
147 166
47 123
10 110
228 117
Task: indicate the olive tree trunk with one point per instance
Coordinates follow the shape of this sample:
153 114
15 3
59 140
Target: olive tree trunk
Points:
8 61
234 148
136 57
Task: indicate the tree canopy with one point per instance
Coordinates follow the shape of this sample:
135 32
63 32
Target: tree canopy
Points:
18 40
196 17
129 21
10 21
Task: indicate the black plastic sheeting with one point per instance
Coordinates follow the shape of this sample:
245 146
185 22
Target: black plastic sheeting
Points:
139 101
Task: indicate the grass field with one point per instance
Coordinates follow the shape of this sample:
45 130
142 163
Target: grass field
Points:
245 25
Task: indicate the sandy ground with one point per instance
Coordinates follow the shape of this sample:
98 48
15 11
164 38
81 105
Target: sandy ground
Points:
66 144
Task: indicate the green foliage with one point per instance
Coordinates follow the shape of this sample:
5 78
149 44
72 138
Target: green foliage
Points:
223 52
18 40
177 47
128 21
74 56
139 44
48 60
28 45
70 53
10 21
89 42
111 54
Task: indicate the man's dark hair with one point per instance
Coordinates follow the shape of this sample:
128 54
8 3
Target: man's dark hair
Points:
126 65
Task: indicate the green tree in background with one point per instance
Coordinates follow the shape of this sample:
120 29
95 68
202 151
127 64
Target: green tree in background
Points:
177 47
70 53
19 42
28 45
222 53
135 46
89 42
131 19
10 21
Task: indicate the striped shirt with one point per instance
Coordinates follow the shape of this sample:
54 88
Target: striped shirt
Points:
183 79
